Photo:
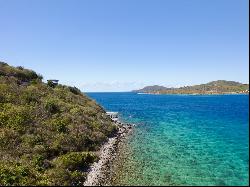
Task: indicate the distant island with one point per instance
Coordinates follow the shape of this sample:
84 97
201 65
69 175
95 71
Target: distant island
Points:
214 87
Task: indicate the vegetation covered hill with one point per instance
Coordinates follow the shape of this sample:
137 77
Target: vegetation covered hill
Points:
214 87
48 134
149 89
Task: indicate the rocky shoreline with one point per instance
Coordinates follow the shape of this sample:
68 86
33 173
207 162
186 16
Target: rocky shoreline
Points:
100 171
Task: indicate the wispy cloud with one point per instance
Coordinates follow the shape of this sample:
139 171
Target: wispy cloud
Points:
113 86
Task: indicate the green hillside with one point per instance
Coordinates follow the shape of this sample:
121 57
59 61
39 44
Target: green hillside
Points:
48 134
148 89
214 87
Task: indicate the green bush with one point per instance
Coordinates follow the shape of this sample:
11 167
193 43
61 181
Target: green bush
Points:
14 174
15 117
76 110
3 63
75 90
9 139
29 96
51 106
4 91
39 162
31 140
35 81
56 177
20 67
75 160
77 178
61 125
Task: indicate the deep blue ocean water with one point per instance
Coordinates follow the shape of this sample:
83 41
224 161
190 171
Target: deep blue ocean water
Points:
183 139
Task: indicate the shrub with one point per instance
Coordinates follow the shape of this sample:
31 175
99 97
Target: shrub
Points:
24 75
39 162
3 63
31 140
35 81
75 160
15 117
14 174
2 98
76 111
75 90
56 177
39 76
30 75
95 125
4 90
20 67
51 106
60 124
77 178
29 96
9 139
3 118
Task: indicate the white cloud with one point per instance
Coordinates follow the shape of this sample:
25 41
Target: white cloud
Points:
113 86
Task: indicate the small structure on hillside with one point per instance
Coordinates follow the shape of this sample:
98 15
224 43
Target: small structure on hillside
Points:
113 115
53 82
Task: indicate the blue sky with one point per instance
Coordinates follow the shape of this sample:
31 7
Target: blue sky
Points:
119 45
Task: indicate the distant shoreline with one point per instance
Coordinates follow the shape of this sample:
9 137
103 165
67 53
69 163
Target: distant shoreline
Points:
219 87
149 93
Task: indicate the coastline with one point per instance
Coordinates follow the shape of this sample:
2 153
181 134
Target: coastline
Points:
228 93
100 171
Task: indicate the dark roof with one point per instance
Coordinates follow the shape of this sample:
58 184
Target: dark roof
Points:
53 80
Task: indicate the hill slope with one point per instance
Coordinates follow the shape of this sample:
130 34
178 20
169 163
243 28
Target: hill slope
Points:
48 135
214 87
148 89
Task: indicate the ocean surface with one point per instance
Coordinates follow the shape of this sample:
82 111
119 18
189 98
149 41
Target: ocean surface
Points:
182 139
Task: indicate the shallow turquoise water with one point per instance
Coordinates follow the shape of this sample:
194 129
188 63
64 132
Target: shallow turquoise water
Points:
183 139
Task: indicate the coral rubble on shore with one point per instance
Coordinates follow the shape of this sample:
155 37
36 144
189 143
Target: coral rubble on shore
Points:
100 171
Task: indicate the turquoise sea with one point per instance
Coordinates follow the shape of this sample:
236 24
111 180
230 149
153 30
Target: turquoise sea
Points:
182 139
